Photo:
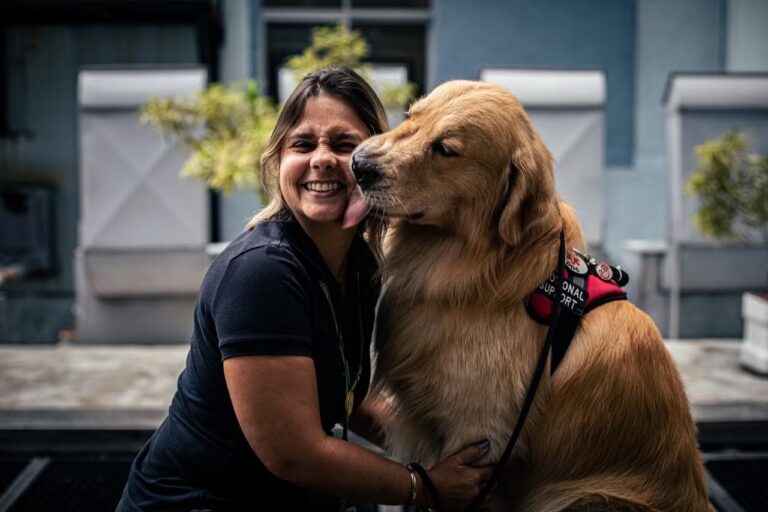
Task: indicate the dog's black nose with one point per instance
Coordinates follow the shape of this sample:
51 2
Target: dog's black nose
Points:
365 169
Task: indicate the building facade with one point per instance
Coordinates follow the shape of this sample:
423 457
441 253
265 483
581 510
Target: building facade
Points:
636 45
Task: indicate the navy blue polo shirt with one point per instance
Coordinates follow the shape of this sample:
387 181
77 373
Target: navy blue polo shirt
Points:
261 296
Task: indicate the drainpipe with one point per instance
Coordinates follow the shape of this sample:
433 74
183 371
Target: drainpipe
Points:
675 163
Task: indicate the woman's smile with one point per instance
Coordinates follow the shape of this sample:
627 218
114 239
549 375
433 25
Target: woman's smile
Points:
324 188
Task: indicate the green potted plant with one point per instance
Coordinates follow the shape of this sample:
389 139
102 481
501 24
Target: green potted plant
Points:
731 184
227 126
339 46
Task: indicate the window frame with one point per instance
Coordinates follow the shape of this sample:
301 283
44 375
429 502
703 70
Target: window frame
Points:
348 15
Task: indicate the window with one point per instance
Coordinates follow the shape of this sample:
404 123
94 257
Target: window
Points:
408 4
390 45
301 3
398 4
396 31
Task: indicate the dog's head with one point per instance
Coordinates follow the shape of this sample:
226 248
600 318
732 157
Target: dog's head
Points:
466 160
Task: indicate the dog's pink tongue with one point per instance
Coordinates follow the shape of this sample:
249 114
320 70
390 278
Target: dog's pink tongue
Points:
356 210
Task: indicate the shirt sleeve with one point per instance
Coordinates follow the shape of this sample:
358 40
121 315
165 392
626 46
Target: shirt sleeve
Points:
262 305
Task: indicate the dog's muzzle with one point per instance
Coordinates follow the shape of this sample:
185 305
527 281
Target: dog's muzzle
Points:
367 172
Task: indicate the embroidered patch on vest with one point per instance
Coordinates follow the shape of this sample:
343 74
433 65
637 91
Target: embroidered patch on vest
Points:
587 284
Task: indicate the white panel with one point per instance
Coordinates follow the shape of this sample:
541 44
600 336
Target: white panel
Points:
550 88
718 92
565 107
131 88
131 192
102 187
387 76
575 139
145 273
380 76
286 83
143 229
161 318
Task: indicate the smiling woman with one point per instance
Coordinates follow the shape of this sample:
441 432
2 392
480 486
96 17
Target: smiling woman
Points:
280 349
314 163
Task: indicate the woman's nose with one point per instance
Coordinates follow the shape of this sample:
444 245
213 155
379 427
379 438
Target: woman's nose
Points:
323 158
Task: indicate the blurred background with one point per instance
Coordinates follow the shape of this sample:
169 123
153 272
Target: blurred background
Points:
125 168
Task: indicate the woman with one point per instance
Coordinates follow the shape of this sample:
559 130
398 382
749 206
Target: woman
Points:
279 353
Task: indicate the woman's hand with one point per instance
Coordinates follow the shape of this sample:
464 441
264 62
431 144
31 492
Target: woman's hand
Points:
457 482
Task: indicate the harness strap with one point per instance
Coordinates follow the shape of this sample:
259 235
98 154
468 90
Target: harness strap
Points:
532 388
587 285
566 328
560 302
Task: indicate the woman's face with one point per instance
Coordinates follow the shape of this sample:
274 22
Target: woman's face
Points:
315 178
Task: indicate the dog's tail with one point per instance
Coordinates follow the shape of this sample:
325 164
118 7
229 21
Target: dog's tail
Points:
593 494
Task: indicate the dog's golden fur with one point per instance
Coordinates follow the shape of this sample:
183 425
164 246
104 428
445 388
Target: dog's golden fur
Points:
470 190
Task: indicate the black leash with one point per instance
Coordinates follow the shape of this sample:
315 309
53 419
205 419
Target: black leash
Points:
535 380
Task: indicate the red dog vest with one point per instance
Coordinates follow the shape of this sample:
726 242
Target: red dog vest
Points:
587 284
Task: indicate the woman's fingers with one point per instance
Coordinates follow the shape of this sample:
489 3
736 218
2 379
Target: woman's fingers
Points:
485 473
471 453
457 481
481 476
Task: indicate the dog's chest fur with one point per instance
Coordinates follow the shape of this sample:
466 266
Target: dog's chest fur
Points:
453 382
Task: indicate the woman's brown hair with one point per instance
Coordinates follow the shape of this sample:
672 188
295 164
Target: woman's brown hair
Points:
345 85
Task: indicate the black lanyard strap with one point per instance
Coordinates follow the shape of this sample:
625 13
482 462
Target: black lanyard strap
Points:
535 380
349 383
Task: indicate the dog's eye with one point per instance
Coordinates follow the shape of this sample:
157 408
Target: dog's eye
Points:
443 150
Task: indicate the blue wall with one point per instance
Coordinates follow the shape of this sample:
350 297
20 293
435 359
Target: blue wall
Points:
637 43
568 34
679 35
747 41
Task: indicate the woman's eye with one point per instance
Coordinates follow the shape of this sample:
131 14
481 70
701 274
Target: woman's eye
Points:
346 147
302 146
441 149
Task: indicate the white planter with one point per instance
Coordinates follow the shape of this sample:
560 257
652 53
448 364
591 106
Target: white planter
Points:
754 349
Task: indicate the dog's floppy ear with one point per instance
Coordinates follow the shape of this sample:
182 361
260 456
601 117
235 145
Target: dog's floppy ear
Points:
529 208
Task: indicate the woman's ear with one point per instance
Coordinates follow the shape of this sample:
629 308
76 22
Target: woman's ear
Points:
530 209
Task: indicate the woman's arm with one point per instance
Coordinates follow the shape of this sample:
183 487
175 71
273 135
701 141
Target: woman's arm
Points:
275 400
368 419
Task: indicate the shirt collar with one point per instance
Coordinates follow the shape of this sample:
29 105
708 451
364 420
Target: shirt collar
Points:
309 252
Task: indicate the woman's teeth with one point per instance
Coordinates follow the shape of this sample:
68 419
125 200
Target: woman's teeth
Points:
323 186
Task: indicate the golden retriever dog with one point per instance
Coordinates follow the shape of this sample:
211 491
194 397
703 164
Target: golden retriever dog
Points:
475 220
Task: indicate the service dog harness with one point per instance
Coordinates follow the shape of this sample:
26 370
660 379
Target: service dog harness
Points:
586 285
578 285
